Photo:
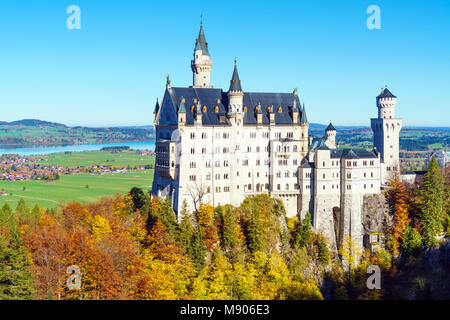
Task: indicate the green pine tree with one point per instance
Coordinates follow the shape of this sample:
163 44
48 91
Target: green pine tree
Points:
22 210
324 253
185 229
431 215
412 241
16 279
197 249
168 218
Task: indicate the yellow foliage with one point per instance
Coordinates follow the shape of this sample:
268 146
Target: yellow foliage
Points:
100 227
205 214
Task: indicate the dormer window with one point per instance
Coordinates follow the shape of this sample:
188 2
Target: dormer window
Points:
216 109
204 109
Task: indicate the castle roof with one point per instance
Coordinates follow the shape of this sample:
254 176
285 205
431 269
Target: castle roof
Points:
213 97
352 154
385 93
201 43
182 107
303 118
156 107
235 83
318 143
330 127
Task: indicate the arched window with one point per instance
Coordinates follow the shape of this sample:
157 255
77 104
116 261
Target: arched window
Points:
295 148
204 109
217 109
280 109
245 108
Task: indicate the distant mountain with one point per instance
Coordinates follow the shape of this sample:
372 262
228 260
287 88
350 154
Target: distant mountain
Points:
34 123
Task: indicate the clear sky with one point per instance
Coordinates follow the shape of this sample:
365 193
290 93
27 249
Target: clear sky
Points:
112 70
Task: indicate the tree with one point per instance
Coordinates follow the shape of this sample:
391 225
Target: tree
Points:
16 279
197 249
304 233
185 229
432 213
324 253
22 210
397 198
412 241
167 217
138 197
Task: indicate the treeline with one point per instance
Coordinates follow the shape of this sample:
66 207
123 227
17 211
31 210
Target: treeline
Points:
134 247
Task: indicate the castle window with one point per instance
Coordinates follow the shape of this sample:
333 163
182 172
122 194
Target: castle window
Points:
258 149
365 174
208 176
216 109
286 174
355 163
371 174
294 162
364 186
217 176
372 163
192 178
192 135
295 148
256 108
294 174
323 187
278 187
349 163
245 108
287 186
193 165
204 109
249 187
225 176
268 109
226 189
249 175
324 163
192 150
192 108
364 163
349 175
371 185
253 135
324 175
208 190
195 100
278 174
218 100
280 109
258 162
208 164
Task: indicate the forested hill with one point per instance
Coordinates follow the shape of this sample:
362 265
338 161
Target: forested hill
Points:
43 133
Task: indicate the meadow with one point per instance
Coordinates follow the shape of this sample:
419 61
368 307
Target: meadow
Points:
73 160
82 187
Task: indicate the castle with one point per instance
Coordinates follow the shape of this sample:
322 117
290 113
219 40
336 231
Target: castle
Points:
219 147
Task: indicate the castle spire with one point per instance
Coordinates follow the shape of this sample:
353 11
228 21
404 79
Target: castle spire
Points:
235 83
201 64
200 43
156 107
303 118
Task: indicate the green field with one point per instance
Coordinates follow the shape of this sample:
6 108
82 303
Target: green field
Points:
76 159
73 187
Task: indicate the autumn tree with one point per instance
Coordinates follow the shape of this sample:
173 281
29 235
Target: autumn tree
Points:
397 198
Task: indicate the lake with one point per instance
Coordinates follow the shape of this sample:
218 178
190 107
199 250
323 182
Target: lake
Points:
41 150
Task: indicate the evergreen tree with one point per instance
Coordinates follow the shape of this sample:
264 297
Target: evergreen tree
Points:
432 212
22 210
412 241
324 253
16 279
304 232
185 227
8 221
255 231
197 249
138 197
168 218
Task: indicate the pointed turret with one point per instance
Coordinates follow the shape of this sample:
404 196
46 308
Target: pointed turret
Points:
182 112
235 83
330 127
200 43
156 107
201 64
304 118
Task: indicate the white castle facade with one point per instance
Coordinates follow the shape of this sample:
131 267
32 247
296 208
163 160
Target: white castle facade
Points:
219 147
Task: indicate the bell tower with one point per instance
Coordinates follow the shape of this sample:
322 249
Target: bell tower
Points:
201 64
386 134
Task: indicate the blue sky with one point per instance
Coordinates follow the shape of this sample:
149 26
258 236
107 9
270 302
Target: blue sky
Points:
112 70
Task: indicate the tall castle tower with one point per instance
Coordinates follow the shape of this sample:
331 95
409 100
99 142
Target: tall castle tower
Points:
386 134
202 64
